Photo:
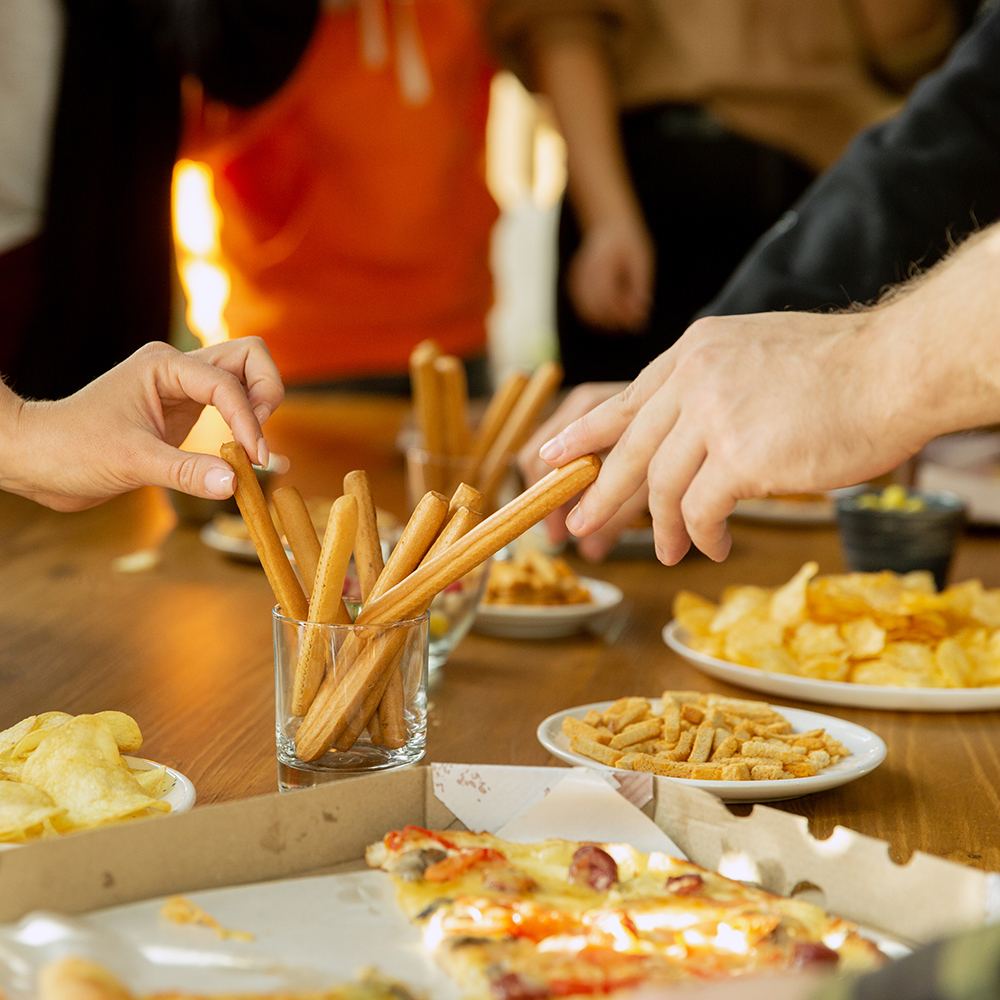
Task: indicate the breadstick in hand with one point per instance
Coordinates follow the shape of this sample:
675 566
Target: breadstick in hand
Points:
264 535
327 605
300 532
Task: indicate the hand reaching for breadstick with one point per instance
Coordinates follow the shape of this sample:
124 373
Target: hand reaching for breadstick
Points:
123 429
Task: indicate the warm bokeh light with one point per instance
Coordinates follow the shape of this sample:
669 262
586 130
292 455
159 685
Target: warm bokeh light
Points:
197 221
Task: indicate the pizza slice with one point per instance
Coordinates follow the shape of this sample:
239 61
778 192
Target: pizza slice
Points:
559 918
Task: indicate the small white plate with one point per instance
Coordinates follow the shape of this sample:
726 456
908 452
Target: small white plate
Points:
867 752
530 621
179 792
783 511
923 699
230 545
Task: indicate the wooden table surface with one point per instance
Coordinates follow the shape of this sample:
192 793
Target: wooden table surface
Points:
185 647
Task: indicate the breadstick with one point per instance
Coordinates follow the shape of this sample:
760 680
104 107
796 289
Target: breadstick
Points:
497 412
367 545
518 427
250 499
341 698
465 496
428 407
454 403
390 714
420 531
327 605
300 532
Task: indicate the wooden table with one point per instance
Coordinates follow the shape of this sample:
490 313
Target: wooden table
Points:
186 647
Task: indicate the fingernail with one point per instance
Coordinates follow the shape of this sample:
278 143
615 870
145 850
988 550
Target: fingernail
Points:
219 482
574 520
551 450
262 413
263 453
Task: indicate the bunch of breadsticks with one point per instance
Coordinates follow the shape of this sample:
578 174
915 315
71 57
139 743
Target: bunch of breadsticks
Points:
480 457
340 696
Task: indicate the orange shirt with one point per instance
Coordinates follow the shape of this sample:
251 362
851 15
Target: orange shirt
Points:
356 220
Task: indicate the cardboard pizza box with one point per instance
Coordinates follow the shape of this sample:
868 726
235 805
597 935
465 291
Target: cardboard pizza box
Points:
326 829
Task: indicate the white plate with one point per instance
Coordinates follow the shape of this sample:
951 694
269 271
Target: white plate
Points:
179 791
867 752
835 692
527 621
781 511
238 548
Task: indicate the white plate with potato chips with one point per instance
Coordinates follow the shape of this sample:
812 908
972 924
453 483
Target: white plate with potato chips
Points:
867 751
547 621
883 696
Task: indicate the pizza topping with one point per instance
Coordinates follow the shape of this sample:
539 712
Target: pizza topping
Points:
813 952
454 865
685 885
413 864
511 986
395 839
508 879
594 867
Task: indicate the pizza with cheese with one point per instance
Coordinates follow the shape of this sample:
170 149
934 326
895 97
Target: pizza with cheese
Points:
557 918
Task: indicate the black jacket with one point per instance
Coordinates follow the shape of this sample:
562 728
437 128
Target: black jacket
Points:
896 199
105 273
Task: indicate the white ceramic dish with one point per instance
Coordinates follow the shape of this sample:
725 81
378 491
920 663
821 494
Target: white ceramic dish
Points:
835 692
524 621
867 752
179 791
780 511
237 548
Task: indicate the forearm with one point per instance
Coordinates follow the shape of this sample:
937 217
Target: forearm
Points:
576 77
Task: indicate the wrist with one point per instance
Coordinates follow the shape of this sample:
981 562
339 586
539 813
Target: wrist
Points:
17 449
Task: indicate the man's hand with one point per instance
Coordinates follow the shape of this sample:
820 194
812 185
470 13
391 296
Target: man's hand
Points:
123 429
741 407
610 278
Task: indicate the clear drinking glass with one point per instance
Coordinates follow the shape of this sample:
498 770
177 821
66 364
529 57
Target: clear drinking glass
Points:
303 648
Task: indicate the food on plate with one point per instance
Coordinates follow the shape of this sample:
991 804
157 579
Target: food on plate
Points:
893 497
703 736
559 918
60 773
532 577
181 910
82 979
866 628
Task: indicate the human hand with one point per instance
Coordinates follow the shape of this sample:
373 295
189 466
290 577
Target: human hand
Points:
610 278
123 429
743 406
580 400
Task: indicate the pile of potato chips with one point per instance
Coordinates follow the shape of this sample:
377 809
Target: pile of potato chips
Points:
60 773
869 628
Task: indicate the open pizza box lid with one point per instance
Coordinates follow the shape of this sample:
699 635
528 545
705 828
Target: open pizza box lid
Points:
327 828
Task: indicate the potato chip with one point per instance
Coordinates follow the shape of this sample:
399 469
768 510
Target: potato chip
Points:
124 729
79 766
862 638
10 738
738 602
953 663
788 603
694 612
24 808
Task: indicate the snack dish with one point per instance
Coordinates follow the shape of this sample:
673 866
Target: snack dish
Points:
833 692
805 508
560 918
178 791
525 621
867 751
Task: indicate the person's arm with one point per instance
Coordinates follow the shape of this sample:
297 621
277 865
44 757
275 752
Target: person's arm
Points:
611 276
897 199
748 406
123 430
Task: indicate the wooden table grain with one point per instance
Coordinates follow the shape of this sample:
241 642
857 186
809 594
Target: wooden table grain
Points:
185 647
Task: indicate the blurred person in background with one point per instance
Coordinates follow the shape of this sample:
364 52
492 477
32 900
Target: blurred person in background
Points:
355 214
691 126
89 129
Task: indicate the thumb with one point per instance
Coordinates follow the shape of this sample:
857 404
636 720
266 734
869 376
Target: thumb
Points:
206 476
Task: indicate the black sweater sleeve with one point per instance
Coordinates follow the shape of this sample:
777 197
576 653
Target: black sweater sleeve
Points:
896 198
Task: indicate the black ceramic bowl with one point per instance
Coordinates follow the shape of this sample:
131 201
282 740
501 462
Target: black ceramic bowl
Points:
876 538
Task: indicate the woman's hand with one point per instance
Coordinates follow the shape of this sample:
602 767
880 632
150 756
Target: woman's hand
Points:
123 429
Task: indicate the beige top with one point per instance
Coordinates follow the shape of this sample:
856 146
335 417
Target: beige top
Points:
802 75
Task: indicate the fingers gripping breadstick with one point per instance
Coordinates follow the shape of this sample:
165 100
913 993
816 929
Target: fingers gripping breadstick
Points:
298 527
518 427
367 545
336 704
327 605
263 534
